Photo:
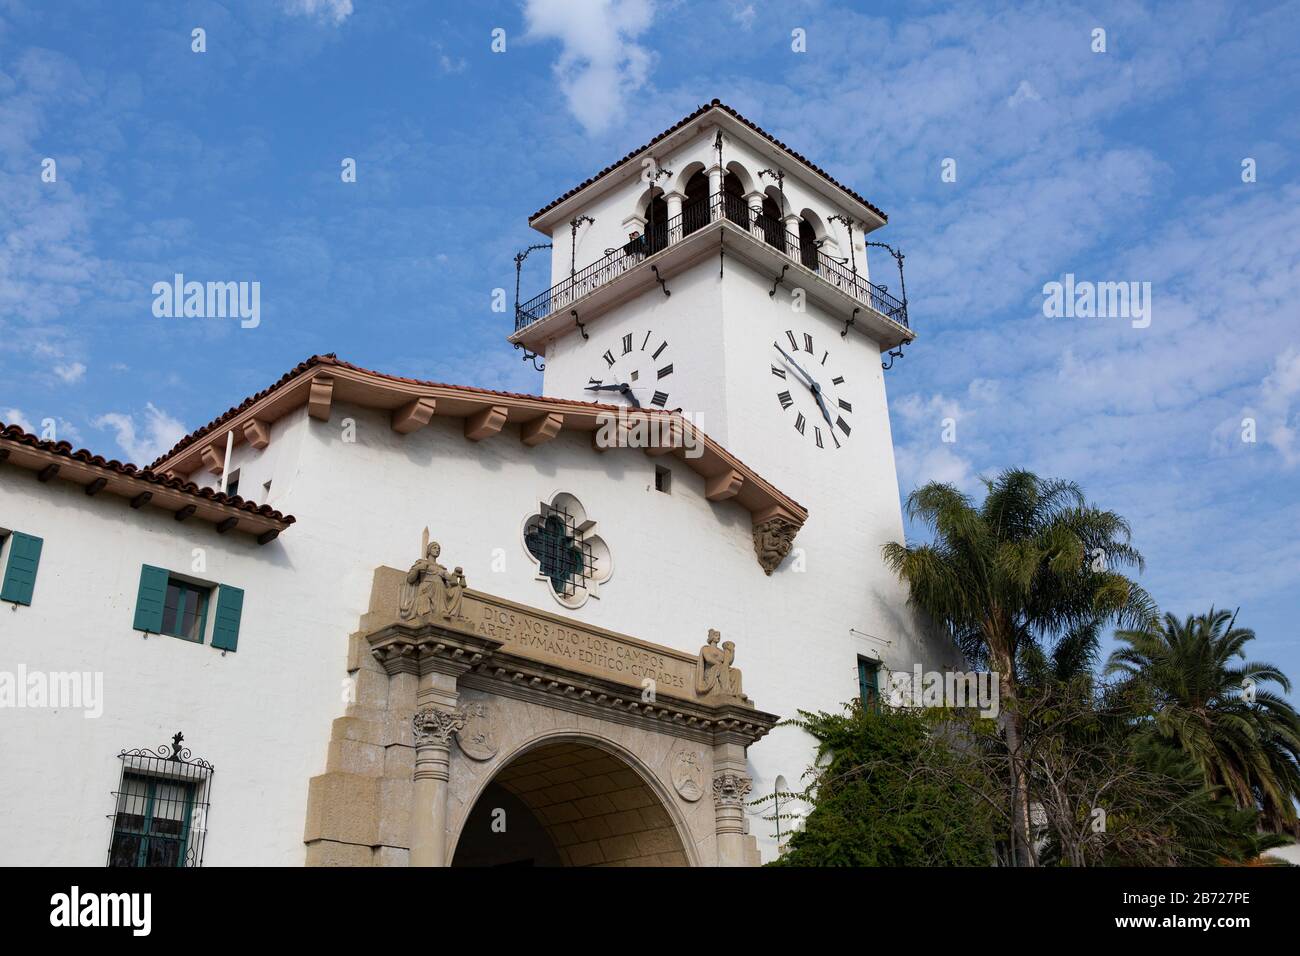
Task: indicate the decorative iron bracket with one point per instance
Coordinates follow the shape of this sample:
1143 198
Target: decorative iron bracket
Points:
659 279
851 319
578 322
531 357
779 280
893 354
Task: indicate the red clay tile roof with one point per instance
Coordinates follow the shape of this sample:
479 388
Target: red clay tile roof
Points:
330 359
715 104
14 433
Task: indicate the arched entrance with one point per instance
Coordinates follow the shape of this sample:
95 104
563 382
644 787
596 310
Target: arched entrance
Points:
568 803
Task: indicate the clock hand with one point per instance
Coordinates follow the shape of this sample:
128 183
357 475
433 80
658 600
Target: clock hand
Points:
627 390
812 385
808 379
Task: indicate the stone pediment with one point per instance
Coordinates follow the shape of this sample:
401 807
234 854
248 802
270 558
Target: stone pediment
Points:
526 651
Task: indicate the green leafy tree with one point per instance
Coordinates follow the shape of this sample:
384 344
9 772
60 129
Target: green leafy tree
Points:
1032 564
870 807
1208 698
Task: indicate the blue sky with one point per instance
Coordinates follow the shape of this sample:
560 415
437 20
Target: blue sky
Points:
1117 166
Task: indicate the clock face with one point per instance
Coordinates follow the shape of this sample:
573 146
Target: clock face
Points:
812 393
637 366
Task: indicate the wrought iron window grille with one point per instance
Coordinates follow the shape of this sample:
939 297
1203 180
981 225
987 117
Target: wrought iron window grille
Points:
564 557
160 808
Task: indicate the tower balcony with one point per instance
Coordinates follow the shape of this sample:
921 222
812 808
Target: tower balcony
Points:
722 221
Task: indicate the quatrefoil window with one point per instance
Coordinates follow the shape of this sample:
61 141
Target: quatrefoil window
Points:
571 558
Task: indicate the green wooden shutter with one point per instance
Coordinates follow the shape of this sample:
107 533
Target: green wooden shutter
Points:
225 628
20 574
151 598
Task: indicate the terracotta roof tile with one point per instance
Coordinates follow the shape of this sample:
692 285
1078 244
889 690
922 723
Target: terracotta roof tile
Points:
14 433
715 104
330 359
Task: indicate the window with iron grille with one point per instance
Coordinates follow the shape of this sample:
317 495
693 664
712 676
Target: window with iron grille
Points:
160 808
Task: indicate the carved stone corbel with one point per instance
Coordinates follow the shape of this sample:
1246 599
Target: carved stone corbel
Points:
773 539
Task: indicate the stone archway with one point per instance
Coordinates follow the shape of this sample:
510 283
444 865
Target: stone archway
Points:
601 747
568 803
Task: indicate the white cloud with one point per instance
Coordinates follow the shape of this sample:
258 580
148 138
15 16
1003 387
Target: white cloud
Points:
600 65
333 10
1278 426
15 416
142 444
71 372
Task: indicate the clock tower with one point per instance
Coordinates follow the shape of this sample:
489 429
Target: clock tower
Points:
719 273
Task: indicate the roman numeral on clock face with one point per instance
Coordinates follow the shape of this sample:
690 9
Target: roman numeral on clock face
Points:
666 370
843 424
609 359
794 343
785 399
778 371
662 346
817 432
800 423
627 343
845 405
660 399
807 343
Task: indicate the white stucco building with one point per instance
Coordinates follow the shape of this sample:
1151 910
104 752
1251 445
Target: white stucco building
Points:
545 688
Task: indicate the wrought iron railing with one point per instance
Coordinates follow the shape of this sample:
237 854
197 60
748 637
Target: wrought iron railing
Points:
693 217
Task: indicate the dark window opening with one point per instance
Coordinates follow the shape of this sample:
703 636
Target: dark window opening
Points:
734 205
663 479
807 245
869 684
695 206
656 224
773 227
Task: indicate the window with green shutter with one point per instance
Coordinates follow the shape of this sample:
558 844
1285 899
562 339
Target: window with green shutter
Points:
20 568
169 604
230 608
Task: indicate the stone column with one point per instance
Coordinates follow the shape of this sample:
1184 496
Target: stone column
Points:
755 200
715 179
434 729
730 790
792 238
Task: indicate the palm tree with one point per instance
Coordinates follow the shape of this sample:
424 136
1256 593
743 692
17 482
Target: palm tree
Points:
1196 671
1033 564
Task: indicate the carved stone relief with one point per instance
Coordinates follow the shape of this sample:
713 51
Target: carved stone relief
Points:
478 738
772 542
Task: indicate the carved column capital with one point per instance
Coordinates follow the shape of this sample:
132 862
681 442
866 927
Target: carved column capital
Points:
773 539
434 727
730 789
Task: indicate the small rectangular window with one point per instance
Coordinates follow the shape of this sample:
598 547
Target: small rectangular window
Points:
869 683
663 479
185 610
232 483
